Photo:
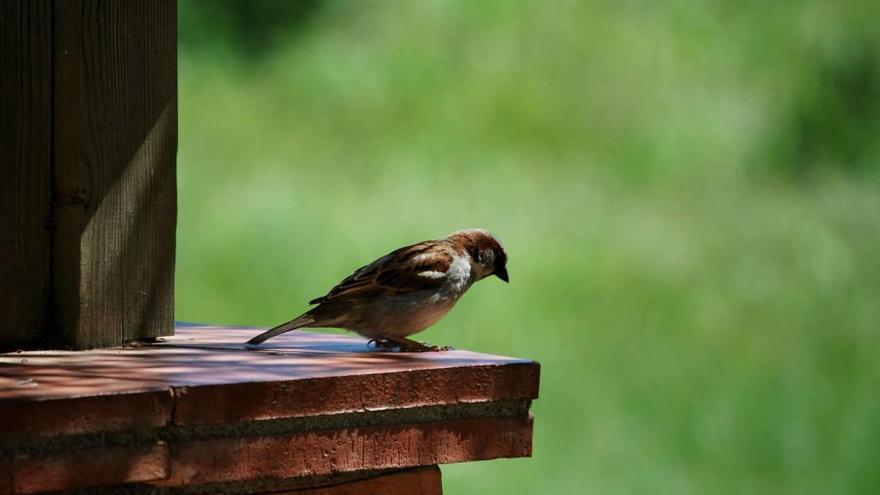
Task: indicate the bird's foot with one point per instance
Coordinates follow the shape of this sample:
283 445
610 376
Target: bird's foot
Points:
438 348
407 345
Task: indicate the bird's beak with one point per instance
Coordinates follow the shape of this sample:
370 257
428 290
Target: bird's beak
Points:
501 272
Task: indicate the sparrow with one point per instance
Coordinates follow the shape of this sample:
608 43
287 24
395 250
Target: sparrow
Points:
405 291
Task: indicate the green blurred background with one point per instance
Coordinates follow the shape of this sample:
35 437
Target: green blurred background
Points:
689 193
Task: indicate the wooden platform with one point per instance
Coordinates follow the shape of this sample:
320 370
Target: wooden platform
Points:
201 411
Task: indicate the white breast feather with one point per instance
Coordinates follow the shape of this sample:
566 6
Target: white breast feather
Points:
459 274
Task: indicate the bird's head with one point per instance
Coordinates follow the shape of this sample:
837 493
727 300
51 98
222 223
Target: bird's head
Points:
486 253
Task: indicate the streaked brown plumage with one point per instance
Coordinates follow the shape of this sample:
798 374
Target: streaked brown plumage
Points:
405 291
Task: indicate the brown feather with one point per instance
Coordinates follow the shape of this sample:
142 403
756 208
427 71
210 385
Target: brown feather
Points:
394 272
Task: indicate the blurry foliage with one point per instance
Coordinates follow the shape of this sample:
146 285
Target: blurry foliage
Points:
248 29
818 64
833 121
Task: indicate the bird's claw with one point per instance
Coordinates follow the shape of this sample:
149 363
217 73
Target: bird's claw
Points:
432 348
407 346
420 347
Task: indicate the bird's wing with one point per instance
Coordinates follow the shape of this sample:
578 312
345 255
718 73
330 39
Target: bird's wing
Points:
411 268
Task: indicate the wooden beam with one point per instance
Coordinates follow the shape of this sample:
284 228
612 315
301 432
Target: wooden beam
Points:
112 201
26 158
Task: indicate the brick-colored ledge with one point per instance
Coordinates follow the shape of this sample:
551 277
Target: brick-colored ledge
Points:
199 411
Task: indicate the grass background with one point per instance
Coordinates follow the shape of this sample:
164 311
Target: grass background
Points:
688 193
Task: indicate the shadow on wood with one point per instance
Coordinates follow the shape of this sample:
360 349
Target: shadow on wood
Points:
93 195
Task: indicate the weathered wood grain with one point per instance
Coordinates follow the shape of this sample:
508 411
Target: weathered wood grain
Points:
115 140
87 469
225 460
25 155
89 138
420 481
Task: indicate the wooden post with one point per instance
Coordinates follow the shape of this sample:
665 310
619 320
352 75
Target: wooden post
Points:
26 158
88 143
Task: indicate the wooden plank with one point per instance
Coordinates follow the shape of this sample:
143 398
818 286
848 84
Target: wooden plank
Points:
420 481
87 469
215 380
346 450
115 141
25 155
313 410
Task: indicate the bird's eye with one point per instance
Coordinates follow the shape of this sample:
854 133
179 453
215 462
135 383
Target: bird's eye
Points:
475 254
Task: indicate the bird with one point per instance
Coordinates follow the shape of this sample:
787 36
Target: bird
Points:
405 291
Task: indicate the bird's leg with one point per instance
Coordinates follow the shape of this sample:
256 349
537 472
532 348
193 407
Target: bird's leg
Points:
407 345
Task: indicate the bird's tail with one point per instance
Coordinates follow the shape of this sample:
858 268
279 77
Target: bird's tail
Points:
298 322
